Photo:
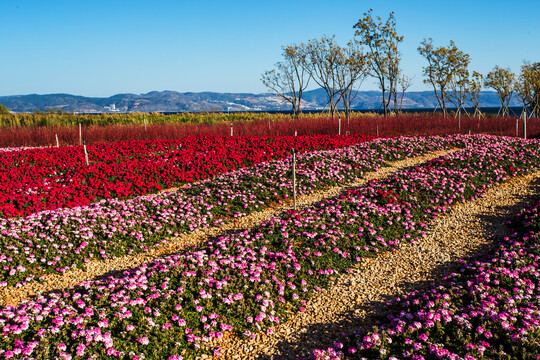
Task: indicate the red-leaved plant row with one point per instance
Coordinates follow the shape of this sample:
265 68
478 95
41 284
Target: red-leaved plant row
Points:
50 178
419 124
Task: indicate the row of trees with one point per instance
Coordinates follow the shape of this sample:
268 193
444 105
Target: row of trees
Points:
341 70
448 73
373 52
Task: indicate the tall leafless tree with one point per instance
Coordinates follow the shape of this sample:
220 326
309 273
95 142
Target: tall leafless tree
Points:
382 40
323 58
350 74
289 79
404 82
473 90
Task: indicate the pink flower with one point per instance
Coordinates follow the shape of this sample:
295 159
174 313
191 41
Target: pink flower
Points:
80 349
144 340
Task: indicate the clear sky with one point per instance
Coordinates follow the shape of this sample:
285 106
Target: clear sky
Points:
101 48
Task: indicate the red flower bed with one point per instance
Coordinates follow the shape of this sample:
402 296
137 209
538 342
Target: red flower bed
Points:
51 178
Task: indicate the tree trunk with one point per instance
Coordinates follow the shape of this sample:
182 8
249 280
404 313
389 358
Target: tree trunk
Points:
385 108
443 106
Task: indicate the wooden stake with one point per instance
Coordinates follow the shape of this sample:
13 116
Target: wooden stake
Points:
377 130
56 136
339 126
144 124
295 133
231 130
80 134
517 127
85 153
294 177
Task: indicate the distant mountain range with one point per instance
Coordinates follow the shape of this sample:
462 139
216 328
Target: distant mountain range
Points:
172 101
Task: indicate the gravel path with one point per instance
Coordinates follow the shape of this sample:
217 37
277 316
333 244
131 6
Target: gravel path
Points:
356 299
12 295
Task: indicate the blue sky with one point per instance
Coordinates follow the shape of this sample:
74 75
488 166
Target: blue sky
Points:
101 48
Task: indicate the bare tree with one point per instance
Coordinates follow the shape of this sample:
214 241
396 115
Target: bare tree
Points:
323 58
289 79
503 82
404 82
443 64
382 42
474 88
459 86
528 87
350 72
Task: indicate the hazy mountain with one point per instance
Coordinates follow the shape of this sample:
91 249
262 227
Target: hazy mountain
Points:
172 101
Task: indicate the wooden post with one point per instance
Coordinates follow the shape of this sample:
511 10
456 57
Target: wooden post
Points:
85 153
339 126
295 133
294 177
56 136
80 134
231 130
469 131
517 127
144 124
525 125
377 129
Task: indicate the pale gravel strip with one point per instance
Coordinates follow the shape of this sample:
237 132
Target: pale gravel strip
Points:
11 295
356 298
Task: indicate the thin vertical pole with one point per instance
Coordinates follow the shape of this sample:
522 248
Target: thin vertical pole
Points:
144 124
525 125
517 127
80 134
231 130
294 177
295 133
339 126
377 129
85 153
56 136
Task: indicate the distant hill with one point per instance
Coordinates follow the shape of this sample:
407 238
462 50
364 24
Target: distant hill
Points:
172 101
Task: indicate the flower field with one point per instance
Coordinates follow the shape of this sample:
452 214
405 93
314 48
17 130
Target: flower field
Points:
490 309
249 281
50 178
56 241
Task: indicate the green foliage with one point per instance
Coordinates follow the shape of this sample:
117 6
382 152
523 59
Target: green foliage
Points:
503 82
55 117
3 109
447 66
